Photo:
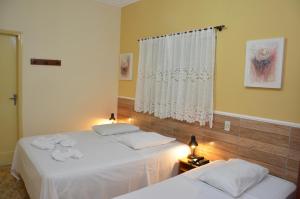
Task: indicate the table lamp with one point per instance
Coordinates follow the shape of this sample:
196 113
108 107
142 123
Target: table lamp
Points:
112 118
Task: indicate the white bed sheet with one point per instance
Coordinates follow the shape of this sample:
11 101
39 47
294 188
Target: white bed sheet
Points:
188 186
108 168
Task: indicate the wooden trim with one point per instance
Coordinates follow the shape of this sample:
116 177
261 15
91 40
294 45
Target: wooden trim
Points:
124 97
10 32
298 185
260 119
243 116
18 36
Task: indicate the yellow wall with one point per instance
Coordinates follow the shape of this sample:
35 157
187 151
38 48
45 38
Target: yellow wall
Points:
245 20
84 34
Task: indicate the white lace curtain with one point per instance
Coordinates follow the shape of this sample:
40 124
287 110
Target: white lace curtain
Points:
175 76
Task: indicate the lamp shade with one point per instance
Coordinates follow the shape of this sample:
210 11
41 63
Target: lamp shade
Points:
112 116
193 141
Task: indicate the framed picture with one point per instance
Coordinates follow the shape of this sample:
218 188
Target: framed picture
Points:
126 66
264 60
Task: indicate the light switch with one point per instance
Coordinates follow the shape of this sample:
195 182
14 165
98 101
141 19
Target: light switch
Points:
227 125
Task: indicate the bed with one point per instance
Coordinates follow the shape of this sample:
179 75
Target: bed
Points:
188 186
108 168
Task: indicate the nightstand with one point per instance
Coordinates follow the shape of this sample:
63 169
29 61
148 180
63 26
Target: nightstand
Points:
185 165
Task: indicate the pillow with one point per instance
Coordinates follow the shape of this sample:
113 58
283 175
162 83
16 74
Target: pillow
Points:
111 129
235 176
195 173
142 140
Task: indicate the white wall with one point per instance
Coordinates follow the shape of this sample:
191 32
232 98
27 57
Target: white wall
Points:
84 34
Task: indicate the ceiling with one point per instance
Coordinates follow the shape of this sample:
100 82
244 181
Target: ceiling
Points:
117 3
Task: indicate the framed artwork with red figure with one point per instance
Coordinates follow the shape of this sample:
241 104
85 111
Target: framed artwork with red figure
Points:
126 66
264 60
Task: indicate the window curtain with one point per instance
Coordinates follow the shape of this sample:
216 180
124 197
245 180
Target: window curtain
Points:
175 76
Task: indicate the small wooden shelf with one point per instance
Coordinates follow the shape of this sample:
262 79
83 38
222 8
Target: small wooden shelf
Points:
47 62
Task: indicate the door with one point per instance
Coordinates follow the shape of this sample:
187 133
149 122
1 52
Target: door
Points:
8 91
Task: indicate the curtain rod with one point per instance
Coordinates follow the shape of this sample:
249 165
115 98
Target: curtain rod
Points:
219 28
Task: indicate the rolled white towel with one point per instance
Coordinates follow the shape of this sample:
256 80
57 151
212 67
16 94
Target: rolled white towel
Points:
48 142
59 155
64 155
76 154
43 143
68 143
58 138
63 140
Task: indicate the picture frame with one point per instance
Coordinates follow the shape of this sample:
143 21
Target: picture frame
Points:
126 66
264 63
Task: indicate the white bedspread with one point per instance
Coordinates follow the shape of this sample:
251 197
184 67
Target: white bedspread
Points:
187 186
107 169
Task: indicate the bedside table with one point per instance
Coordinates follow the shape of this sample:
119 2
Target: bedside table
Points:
184 165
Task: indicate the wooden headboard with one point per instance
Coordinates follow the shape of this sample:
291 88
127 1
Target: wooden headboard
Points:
276 147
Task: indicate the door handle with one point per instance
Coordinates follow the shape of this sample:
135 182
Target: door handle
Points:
14 98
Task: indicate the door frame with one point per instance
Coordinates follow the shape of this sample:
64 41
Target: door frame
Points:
18 36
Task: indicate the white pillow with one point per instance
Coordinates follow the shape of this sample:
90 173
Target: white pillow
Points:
142 140
195 173
111 129
235 176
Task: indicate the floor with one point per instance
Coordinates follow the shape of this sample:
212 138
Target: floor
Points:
10 188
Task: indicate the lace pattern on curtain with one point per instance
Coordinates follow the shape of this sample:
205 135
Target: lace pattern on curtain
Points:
175 77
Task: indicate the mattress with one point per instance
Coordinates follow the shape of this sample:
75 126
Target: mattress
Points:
107 169
188 186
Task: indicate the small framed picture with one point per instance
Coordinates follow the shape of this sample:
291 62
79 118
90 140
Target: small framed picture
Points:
126 66
264 60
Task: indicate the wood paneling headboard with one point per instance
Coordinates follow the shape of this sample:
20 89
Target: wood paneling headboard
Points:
276 147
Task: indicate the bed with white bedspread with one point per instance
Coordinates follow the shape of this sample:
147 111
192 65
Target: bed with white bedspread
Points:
107 169
188 185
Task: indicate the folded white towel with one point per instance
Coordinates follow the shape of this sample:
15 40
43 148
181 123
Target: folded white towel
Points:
64 155
57 138
49 142
76 154
43 143
59 156
68 143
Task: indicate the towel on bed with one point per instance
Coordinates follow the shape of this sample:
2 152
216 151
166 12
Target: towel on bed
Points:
62 156
49 142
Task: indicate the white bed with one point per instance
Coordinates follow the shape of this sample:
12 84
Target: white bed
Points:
108 168
188 186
